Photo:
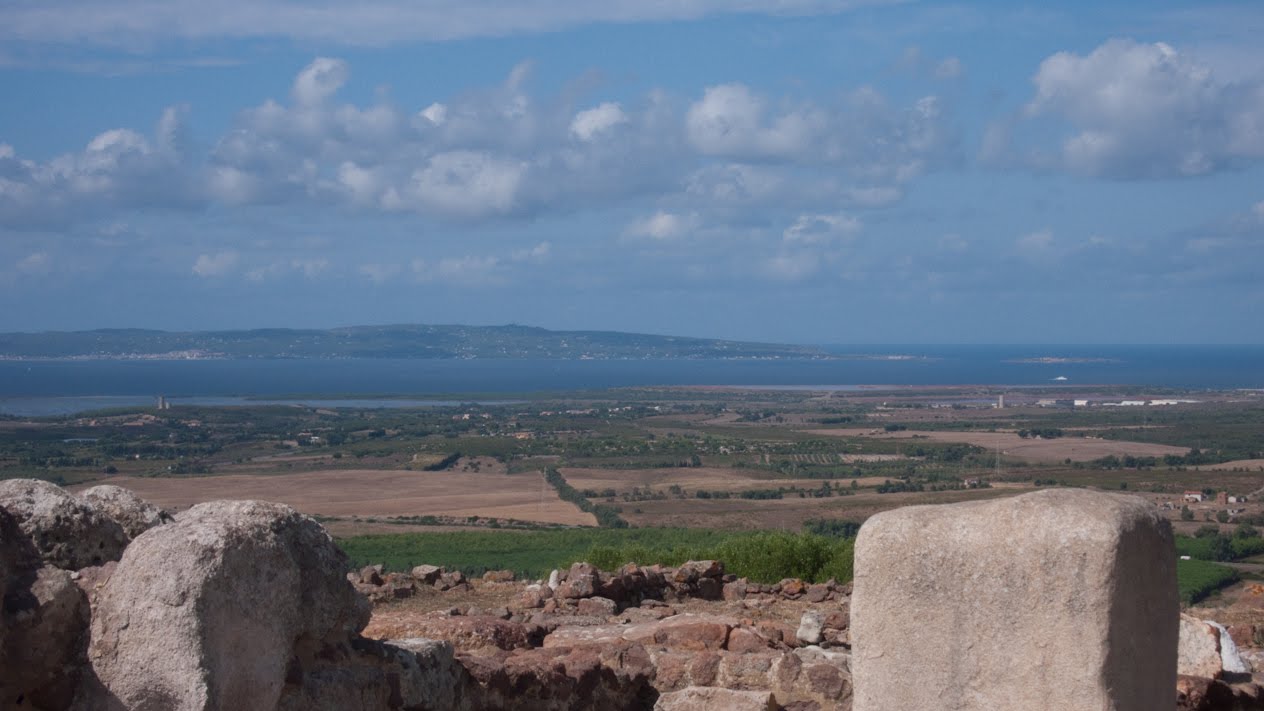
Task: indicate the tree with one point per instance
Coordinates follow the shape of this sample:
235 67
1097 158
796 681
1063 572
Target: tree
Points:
1186 514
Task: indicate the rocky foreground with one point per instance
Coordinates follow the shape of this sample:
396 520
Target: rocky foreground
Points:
109 603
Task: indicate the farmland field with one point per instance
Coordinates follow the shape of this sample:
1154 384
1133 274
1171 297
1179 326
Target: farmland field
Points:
357 492
1077 449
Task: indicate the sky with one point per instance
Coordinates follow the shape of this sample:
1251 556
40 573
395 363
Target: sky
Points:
807 171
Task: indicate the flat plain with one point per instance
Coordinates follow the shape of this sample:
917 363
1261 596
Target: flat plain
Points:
1030 449
490 493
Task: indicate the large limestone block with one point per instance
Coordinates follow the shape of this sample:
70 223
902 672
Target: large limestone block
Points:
207 612
1061 600
67 532
127 509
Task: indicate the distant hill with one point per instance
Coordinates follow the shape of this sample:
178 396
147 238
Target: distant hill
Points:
401 341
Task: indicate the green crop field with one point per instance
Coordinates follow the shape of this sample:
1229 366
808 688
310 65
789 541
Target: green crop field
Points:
1199 578
760 556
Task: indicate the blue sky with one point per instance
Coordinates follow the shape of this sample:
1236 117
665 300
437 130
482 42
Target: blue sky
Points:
786 170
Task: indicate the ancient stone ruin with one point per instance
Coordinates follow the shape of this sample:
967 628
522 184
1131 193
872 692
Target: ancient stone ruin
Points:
1059 599
110 604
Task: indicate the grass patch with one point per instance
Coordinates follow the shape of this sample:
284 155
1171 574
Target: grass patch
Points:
761 556
1199 578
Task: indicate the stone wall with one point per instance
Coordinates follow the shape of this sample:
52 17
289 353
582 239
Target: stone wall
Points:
1056 600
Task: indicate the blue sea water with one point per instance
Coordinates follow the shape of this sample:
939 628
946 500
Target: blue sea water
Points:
52 387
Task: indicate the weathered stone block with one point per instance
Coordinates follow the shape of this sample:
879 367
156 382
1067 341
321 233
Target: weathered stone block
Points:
1056 600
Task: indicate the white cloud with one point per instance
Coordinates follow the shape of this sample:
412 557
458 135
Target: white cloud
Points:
591 122
435 113
537 253
662 226
118 168
1145 110
311 268
128 23
214 265
820 229
35 263
1037 247
950 68
791 267
319 80
463 184
379 273
1258 209
729 120
496 152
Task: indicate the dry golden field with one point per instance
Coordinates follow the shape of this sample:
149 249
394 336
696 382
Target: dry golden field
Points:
690 479
362 492
1077 449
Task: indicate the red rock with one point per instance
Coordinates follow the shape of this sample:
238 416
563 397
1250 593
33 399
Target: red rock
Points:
473 633
695 570
599 606
836 620
646 614
498 576
745 639
703 698
828 681
577 586
709 588
777 632
684 632
792 588
371 575
735 590
703 668
818 593
534 596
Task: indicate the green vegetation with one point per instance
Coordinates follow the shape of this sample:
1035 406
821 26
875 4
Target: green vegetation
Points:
397 341
444 463
1209 544
535 553
761 556
607 516
1199 578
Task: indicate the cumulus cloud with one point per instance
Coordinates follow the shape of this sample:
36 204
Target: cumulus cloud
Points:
588 124
820 229
380 273
215 265
498 152
949 68
319 80
479 270
863 134
729 120
662 226
118 168
462 184
35 263
1133 110
791 267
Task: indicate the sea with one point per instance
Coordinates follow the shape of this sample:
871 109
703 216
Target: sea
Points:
56 387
